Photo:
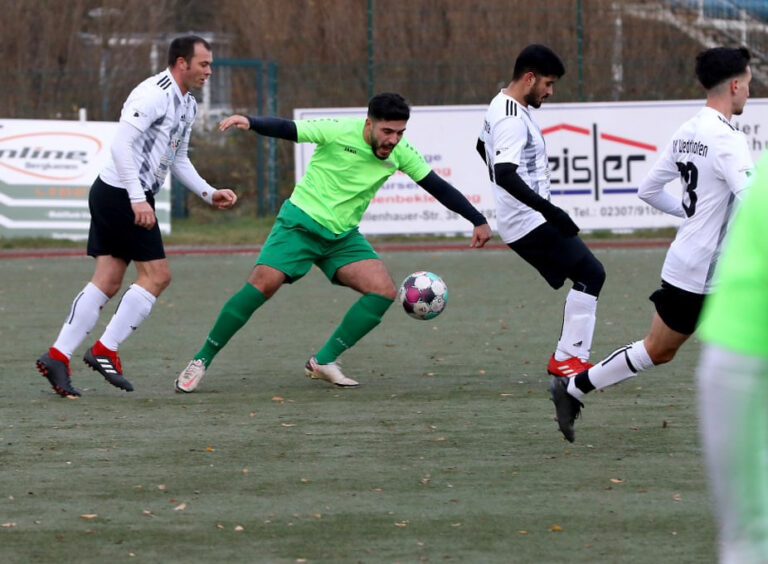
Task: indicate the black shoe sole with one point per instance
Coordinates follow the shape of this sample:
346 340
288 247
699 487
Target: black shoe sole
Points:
63 392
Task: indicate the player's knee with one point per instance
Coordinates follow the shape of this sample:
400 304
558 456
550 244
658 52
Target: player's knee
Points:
267 290
388 291
268 285
160 281
110 288
662 355
591 278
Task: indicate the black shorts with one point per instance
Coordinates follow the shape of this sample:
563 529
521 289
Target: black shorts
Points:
679 309
551 253
113 231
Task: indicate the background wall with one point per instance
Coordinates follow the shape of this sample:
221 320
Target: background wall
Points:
279 55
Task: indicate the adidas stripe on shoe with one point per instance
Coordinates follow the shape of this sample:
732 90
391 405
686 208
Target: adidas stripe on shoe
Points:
107 363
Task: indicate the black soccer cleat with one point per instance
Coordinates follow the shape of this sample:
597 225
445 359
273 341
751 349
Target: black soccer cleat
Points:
567 407
57 373
108 367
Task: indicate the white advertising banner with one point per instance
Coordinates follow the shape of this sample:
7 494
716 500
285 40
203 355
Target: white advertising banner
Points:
46 170
598 154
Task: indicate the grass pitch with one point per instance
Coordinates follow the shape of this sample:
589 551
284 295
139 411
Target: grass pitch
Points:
448 451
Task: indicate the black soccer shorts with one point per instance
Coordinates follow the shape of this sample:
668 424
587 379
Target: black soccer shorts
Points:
113 231
678 308
558 258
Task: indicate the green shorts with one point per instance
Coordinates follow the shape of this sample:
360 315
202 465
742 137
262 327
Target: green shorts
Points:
297 241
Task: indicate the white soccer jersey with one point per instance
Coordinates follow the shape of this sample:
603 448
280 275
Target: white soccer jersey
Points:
164 116
712 160
511 136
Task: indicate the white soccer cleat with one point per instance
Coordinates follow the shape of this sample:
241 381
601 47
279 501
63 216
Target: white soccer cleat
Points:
190 377
328 372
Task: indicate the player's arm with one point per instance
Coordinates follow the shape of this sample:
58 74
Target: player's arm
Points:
455 201
651 189
187 174
142 108
652 192
505 175
122 155
185 171
263 125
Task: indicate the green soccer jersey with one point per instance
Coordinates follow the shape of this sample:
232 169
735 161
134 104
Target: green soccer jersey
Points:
343 175
735 316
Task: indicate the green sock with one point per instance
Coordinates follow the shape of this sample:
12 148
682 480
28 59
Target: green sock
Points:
364 315
235 313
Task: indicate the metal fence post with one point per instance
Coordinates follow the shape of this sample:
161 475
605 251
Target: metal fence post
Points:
579 52
179 208
370 49
271 109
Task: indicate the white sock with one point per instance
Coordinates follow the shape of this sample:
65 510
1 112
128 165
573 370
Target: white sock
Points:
83 315
579 317
134 307
621 364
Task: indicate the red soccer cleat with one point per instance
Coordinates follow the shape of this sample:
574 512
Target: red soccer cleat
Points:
567 368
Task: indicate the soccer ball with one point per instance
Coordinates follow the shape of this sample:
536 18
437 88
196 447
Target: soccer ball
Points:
423 295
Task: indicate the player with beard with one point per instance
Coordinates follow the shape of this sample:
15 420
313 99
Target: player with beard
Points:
712 161
319 225
152 139
513 148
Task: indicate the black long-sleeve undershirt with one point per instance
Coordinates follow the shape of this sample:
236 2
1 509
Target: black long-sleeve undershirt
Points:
451 198
505 175
274 127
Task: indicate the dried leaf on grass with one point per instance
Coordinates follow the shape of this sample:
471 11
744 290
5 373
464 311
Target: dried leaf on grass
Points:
88 516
